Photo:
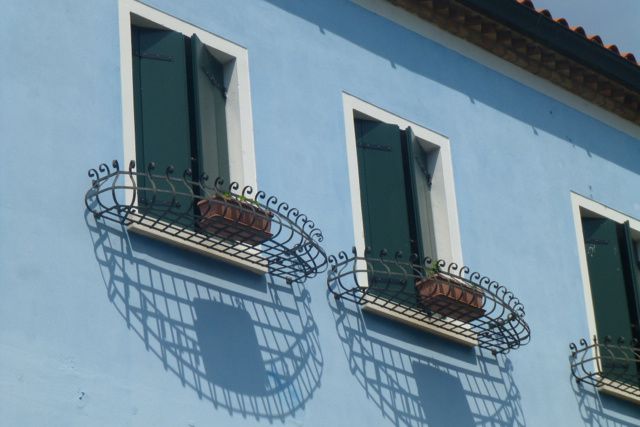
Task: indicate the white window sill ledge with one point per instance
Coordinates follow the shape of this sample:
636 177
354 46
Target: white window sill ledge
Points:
176 240
424 323
633 395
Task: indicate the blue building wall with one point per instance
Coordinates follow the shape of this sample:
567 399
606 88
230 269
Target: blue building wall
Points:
101 328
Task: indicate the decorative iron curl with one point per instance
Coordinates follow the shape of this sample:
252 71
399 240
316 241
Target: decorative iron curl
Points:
218 183
247 191
611 363
388 281
227 219
233 187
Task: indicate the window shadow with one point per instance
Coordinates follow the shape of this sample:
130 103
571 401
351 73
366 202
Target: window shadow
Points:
441 403
439 384
250 349
597 409
229 347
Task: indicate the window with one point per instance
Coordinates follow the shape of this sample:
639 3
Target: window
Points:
403 200
179 100
610 262
614 286
186 97
394 195
186 102
615 290
402 190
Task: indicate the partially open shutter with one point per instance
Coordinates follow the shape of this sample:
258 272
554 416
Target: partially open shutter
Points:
417 244
209 97
611 291
161 97
632 279
420 179
383 192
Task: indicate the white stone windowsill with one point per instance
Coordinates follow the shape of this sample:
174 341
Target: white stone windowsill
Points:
424 324
174 238
608 388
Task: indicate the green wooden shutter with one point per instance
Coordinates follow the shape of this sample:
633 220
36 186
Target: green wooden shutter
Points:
161 97
417 243
420 179
633 289
612 291
385 193
209 99
632 279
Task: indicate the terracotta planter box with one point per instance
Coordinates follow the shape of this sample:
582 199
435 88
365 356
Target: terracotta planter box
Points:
450 297
235 219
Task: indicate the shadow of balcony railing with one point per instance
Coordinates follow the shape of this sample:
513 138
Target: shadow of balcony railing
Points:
608 363
249 348
412 386
441 297
230 222
606 380
597 410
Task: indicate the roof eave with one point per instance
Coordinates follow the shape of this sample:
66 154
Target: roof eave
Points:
559 38
533 41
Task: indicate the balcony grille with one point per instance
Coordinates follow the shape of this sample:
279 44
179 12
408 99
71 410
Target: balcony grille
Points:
608 363
453 300
233 222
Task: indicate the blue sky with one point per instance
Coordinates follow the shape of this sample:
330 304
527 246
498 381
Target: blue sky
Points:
616 21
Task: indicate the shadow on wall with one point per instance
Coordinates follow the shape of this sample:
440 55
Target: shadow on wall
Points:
251 350
455 388
597 409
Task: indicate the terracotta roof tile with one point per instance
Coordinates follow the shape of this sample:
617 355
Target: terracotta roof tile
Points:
545 12
613 48
527 3
596 39
579 30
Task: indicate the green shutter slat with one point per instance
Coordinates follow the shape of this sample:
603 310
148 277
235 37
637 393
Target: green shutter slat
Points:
420 179
614 306
137 97
383 192
163 132
209 97
633 291
412 196
629 261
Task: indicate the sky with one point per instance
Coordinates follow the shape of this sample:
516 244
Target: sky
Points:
615 21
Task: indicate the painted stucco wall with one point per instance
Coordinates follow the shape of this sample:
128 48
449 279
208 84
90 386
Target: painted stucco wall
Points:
101 328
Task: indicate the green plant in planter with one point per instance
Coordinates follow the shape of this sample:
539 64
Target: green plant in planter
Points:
433 271
239 197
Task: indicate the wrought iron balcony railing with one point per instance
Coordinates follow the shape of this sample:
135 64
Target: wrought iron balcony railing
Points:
613 366
230 222
443 298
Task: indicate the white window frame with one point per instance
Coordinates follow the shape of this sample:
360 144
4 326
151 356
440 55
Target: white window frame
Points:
579 205
444 208
443 195
242 165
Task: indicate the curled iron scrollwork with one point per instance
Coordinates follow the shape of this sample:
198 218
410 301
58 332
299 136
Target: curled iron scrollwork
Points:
614 363
230 220
448 297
